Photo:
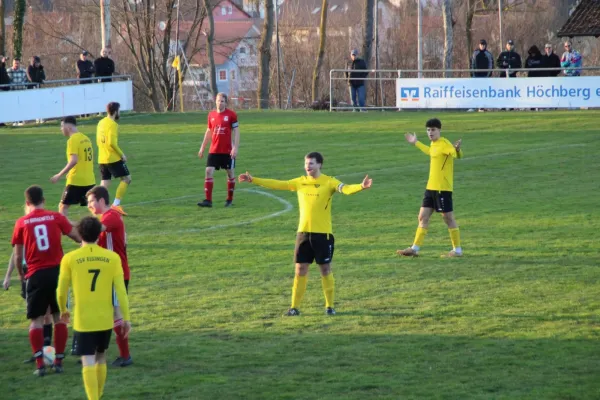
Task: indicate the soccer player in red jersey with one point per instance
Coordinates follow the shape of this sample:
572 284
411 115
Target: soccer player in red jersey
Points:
113 237
222 153
39 232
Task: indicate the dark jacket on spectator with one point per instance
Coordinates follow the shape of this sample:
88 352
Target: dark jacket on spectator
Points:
551 61
4 79
509 59
535 60
104 67
482 59
85 69
356 79
36 74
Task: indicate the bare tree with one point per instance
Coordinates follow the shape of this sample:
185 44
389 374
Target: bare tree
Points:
210 37
368 30
2 29
266 38
448 35
321 53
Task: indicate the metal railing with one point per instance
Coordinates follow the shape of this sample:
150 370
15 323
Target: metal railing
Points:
64 82
391 75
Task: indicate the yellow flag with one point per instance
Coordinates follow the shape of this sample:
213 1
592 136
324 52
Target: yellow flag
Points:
176 64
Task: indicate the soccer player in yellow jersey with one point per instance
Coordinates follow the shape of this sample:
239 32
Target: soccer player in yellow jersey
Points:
79 168
92 272
438 193
111 158
314 240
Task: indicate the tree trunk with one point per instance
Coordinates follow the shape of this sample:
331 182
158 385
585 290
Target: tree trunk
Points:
266 38
321 53
210 36
2 29
468 27
368 31
18 23
105 23
448 36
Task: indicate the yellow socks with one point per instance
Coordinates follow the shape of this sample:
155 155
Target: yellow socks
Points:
90 382
121 189
298 290
328 289
419 238
455 238
101 376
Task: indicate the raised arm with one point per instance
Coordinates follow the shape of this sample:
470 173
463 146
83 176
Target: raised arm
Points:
358 187
268 183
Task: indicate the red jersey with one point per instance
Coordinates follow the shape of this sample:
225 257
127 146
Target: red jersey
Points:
221 125
114 238
40 233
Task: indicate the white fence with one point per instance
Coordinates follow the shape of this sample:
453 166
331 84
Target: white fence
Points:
60 101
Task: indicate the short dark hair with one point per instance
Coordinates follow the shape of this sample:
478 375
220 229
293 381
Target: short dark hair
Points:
316 155
89 229
70 120
34 195
112 107
99 192
433 123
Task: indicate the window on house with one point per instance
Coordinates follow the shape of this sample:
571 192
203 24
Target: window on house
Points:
232 74
242 50
223 10
229 9
251 49
201 76
222 75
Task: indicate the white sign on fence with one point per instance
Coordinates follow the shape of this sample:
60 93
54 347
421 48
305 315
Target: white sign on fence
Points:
583 91
57 102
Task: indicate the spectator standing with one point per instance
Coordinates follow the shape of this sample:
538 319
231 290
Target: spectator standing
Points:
85 68
550 60
104 66
481 59
356 81
35 72
534 61
571 59
509 59
18 78
4 78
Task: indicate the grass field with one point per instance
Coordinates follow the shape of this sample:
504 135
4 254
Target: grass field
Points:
516 318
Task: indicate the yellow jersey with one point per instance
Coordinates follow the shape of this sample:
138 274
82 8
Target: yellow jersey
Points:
82 174
93 272
441 168
107 139
314 199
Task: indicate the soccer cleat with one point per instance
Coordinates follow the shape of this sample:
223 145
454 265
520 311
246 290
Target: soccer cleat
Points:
228 203
119 209
40 372
408 252
29 360
122 362
205 203
452 254
330 311
292 312
58 369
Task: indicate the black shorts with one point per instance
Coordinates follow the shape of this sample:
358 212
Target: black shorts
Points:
117 169
219 161
316 247
41 292
439 201
90 343
75 195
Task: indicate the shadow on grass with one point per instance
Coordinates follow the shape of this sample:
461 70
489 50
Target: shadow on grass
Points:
209 364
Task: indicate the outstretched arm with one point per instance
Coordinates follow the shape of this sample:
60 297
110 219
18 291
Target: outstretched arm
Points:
412 139
351 189
459 152
267 183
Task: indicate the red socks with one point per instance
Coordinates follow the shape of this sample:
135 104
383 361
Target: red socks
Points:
208 187
36 339
61 335
122 342
230 188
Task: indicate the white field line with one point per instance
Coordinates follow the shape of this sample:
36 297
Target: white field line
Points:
287 204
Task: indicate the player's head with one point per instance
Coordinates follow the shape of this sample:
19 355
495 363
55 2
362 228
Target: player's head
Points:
221 101
68 126
89 229
114 110
313 162
434 129
34 197
98 200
